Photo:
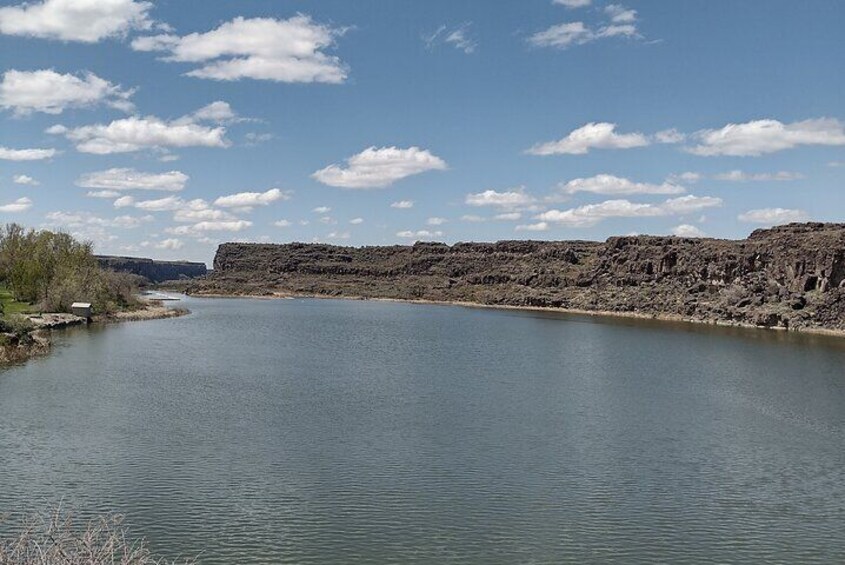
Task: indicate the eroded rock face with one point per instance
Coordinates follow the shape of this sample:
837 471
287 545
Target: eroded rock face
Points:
789 276
154 271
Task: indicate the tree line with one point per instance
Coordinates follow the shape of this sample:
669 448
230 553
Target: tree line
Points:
52 270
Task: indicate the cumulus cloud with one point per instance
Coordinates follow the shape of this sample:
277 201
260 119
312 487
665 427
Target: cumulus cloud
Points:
49 92
687 230
669 136
248 200
759 137
291 50
130 179
594 135
25 180
19 205
103 194
435 221
201 228
356 221
688 177
508 216
740 176
403 204
219 111
77 220
591 214
773 216
538 226
379 167
86 21
282 223
610 184
459 37
573 3
26 154
419 234
472 218
138 133
622 23
170 244
321 210
508 199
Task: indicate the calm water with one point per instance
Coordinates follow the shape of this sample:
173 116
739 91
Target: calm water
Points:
307 431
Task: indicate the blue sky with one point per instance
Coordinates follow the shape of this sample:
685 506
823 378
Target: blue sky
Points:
164 128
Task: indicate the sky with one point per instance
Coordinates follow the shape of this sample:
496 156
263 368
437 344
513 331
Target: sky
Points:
162 129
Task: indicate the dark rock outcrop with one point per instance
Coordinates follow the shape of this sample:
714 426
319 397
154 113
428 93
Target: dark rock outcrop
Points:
154 271
791 276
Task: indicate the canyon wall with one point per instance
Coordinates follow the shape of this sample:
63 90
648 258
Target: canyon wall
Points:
791 276
154 271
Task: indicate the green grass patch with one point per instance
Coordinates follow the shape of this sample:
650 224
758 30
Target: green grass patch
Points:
12 306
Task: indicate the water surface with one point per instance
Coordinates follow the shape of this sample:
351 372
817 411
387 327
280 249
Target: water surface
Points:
319 431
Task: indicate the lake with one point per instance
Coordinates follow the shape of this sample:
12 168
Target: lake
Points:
330 431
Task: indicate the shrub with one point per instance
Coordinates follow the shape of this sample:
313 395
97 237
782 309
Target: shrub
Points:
59 539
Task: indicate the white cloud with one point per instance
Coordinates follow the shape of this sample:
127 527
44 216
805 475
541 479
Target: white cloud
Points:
619 14
379 167
248 200
767 136
508 216
171 244
26 154
25 179
338 235
594 135
687 230
669 136
610 184
740 176
49 92
321 210
356 221
403 204
689 177
509 199
435 221
279 50
166 204
460 38
130 179
219 112
420 234
773 216
282 224
87 21
539 226
103 194
19 205
198 211
137 133
623 23
124 202
211 226
591 214
572 3
81 219
472 218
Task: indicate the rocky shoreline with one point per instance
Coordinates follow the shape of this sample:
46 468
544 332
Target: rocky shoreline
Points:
17 349
790 277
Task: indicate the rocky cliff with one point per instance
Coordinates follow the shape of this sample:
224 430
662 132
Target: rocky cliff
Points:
154 271
790 276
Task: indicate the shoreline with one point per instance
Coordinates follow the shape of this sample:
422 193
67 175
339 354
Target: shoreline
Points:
669 318
42 344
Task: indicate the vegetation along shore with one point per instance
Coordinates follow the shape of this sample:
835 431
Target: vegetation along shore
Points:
788 277
42 275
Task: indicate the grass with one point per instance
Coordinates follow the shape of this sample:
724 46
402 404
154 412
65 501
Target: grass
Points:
12 306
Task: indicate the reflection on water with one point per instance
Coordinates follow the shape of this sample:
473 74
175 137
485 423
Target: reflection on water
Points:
308 431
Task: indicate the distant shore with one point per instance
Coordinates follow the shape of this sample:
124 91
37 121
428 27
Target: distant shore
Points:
573 311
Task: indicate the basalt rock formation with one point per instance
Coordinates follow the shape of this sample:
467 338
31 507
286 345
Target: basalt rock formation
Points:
791 276
154 271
